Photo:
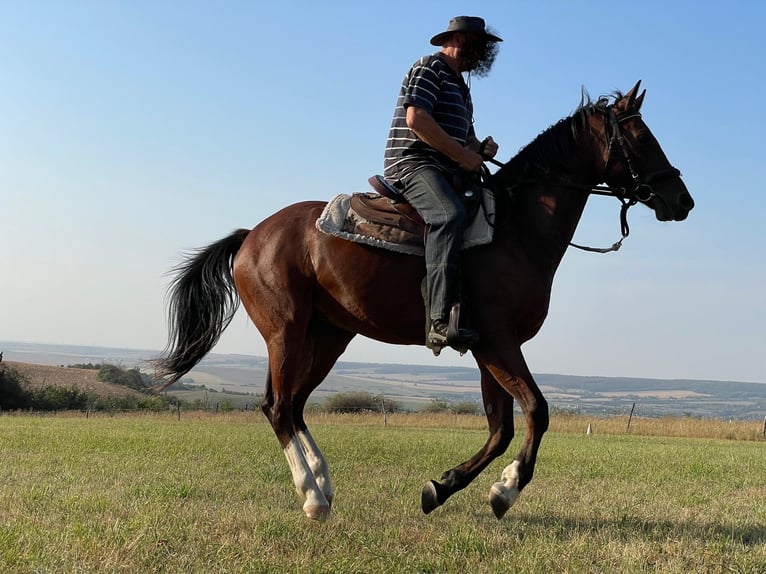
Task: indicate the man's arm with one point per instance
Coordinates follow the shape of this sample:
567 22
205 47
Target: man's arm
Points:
425 127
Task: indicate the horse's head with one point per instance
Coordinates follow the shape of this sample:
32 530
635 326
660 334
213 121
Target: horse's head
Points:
635 161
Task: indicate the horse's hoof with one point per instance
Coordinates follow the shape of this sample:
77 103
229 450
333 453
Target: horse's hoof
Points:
501 499
317 512
498 503
429 499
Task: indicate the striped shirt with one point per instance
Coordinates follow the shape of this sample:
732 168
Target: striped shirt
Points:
435 87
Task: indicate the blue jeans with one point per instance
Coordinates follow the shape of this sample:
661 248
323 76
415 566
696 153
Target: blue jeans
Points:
432 195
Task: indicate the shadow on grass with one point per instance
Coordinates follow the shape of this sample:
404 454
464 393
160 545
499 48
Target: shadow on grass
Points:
628 527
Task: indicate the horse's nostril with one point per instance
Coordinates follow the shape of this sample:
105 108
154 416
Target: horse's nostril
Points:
686 201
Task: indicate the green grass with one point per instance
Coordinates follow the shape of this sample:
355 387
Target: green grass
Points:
213 494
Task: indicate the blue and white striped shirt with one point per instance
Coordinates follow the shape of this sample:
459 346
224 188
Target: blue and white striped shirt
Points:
431 84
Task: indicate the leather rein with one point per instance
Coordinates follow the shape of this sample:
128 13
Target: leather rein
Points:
642 191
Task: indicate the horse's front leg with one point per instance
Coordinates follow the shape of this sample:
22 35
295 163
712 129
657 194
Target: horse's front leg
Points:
514 376
498 406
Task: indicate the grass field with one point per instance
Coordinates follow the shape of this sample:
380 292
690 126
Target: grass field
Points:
212 494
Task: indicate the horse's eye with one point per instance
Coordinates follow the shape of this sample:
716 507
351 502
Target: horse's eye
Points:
644 138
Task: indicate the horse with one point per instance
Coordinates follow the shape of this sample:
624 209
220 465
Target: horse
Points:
309 293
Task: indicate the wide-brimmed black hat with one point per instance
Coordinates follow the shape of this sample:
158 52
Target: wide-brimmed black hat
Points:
470 24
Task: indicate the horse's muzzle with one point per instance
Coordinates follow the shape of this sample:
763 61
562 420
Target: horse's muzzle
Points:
672 206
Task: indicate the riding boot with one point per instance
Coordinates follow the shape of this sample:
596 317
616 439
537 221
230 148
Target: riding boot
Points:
447 332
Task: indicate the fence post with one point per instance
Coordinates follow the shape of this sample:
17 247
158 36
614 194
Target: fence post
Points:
630 418
764 426
385 415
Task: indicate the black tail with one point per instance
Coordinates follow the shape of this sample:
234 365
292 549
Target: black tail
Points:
202 301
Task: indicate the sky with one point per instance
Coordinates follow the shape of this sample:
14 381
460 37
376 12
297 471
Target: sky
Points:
132 132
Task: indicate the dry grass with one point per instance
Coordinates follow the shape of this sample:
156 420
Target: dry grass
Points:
682 427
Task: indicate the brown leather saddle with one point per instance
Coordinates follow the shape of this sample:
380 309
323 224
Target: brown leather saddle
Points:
389 209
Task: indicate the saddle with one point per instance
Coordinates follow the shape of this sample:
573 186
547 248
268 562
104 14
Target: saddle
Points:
390 208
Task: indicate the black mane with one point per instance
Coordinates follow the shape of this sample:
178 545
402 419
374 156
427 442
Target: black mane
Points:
554 151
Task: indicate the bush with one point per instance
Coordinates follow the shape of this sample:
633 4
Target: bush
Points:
154 403
131 378
466 408
108 373
437 406
459 408
357 401
58 399
12 395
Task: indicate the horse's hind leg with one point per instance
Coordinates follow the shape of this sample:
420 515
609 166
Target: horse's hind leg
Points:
328 344
296 367
498 406
278 411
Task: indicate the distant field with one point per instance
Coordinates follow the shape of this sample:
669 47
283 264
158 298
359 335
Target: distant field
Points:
416 385
212 494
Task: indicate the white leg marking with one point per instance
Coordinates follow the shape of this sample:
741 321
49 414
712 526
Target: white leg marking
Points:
505 493
317 463
315 505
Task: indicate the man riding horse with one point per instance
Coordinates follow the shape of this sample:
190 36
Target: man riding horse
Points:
430 140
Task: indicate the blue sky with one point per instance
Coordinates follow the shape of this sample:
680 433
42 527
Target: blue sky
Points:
131 132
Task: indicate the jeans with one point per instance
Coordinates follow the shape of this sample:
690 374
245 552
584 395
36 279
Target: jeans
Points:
432 195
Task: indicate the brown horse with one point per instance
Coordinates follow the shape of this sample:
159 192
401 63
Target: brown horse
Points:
309 293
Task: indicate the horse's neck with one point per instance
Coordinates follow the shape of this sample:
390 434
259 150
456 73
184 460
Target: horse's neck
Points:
550 179
544 212
548 220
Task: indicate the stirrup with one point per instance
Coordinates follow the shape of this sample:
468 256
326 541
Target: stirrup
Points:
459 339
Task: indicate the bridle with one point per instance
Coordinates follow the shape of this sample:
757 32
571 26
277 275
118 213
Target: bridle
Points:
642 191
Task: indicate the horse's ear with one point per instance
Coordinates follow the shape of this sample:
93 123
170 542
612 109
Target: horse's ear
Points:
639 101
631 95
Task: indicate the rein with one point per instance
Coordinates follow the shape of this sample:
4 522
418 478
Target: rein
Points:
641 192
606 191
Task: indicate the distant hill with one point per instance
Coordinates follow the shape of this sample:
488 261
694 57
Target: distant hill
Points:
84 380
416 385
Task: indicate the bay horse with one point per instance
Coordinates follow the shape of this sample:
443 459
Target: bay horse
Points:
309 293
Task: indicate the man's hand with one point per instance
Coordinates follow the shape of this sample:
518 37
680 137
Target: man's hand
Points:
470 160
488 148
